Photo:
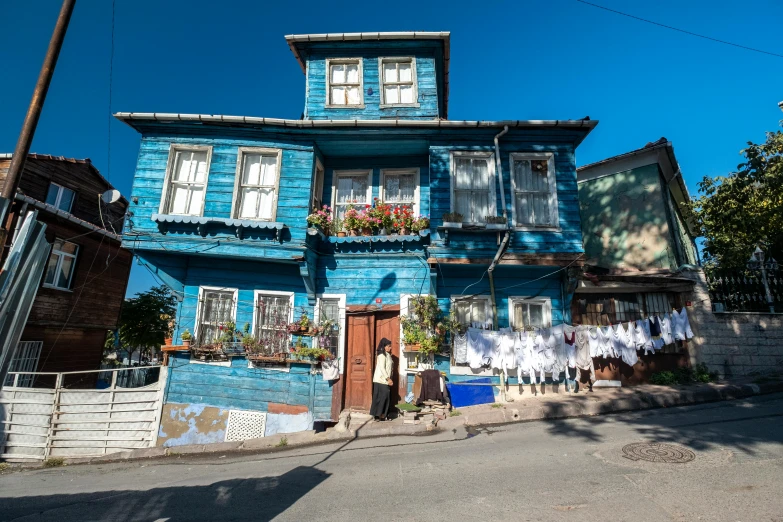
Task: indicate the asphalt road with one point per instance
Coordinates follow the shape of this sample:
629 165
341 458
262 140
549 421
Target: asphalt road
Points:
565 470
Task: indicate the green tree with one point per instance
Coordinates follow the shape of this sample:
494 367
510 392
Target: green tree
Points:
739 211
141 326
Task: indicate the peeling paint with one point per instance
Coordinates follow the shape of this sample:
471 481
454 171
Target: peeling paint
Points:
192 424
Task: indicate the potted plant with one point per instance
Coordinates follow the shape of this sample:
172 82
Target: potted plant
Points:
383 217
337 227
351 221
496 223
403 220
452 220
170 325
321 218
366 221
419 224
187 337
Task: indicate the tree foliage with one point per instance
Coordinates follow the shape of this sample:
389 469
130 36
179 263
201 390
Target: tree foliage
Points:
141 325
744 209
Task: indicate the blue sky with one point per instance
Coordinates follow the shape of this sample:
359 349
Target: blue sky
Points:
541 59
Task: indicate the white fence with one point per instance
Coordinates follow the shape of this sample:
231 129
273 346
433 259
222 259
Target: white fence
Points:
37 423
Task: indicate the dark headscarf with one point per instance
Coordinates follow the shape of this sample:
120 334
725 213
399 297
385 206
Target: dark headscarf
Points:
382 346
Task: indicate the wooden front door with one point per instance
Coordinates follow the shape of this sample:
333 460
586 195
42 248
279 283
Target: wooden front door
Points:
387 324
359 362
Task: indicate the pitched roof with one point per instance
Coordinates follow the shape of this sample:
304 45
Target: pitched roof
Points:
445 36
86 162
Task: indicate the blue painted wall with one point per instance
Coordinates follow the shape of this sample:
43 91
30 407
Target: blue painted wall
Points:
243 388
429 71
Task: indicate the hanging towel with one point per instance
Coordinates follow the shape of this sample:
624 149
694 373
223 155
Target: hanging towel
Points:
506 352
594 340
460 348
527 361
605 336
681 326
570 344
642 336
479 348
583 357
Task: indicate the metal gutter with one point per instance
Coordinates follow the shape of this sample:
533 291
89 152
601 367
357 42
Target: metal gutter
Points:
68 217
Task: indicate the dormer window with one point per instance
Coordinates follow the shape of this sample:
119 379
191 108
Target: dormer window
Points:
344 83
398 82
60 197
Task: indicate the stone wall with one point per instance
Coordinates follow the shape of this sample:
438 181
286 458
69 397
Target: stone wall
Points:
735 344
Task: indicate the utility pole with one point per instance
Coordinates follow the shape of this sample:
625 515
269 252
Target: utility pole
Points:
34 110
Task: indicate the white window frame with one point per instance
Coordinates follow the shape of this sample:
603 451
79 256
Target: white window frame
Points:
336 174
263 151
546 301
342 61
171 165
416 196
60 255
290 296
317 318
490 157
60 189
318 185
201 291
414 78
467 370
553 201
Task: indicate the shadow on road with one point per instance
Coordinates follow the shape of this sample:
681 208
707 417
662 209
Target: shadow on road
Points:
735 425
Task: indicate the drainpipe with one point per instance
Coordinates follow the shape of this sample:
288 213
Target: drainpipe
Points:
490 270
499 171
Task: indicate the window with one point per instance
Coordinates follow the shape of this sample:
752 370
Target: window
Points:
257 184
473 186
187 182
318 186
401 188
398 81
59 270
331 307
351 188
274 310
344 83
473 311
216 306
526 314
535 190
60 197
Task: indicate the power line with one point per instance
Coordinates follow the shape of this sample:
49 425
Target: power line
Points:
679 30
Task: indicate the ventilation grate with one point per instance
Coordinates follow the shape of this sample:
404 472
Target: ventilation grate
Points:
243 425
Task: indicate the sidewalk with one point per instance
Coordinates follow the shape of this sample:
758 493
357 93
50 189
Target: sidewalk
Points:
524 408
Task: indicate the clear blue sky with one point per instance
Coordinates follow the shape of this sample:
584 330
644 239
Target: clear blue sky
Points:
541 59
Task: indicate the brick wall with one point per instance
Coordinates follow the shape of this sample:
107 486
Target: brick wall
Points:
734 344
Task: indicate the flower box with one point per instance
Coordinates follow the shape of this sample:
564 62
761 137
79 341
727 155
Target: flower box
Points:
452 224
412 347
496 226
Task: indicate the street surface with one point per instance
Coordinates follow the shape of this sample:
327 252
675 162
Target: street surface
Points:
541 471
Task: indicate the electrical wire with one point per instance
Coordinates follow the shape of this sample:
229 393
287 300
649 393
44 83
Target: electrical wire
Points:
680 30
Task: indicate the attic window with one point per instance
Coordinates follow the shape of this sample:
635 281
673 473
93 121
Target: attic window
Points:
344 83
398 82
60 197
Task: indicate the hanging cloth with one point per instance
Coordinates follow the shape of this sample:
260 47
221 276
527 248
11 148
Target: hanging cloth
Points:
527 360
479 348
594 340
666 329
583 356
623 344
561 356
655 332
569 333
681 326
605 334
460 348
642 336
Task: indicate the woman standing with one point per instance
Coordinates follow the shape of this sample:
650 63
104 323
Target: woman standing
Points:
382 381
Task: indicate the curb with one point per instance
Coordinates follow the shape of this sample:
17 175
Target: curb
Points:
577 406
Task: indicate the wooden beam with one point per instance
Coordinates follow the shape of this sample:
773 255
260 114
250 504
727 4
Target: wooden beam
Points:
517 260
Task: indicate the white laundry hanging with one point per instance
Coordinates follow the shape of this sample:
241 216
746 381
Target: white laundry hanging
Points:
681 326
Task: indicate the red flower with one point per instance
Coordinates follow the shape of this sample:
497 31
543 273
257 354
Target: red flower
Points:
388 213
367 206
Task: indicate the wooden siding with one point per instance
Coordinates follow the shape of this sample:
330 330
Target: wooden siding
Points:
294 188
242 388
428 72
77 175
567 239
68 349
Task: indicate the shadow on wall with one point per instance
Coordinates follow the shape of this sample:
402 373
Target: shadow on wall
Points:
238 499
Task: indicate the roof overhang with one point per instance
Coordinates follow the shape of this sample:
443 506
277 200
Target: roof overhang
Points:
661 153
444 36
250 121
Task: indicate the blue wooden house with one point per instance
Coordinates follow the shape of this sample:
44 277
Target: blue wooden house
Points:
219 212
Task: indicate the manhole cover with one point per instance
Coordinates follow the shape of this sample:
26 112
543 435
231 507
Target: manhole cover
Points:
653 452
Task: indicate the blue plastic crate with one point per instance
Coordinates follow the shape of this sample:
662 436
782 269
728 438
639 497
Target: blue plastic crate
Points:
471 395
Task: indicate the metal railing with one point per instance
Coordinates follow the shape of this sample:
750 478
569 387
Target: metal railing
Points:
744 292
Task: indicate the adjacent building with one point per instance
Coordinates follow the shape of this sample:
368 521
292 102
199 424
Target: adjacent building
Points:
84 283
637 244
219 213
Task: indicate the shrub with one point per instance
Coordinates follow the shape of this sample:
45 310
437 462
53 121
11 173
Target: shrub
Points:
663 378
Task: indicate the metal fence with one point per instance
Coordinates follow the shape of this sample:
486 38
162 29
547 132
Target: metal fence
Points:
744 292
58 421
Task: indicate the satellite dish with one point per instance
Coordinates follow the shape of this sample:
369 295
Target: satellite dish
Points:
111 196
